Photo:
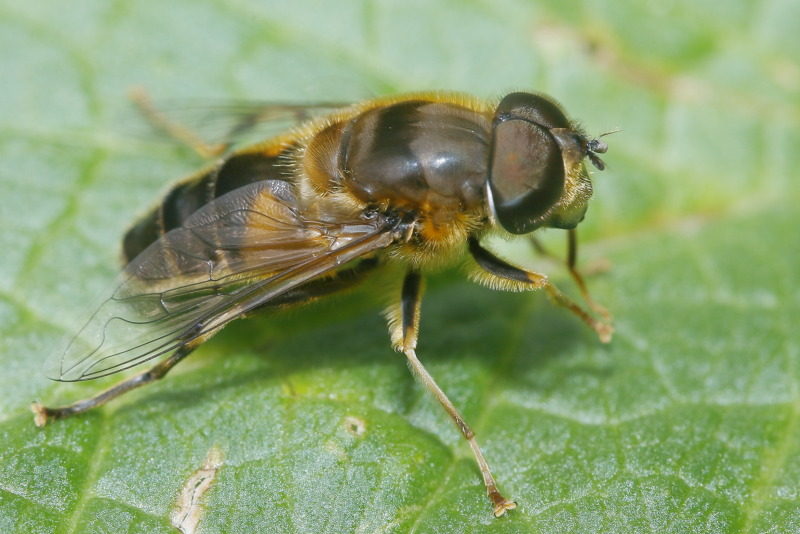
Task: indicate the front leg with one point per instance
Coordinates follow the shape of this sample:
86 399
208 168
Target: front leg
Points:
571 262
498 274
404 329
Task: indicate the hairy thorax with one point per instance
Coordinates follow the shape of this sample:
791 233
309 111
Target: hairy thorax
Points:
424 161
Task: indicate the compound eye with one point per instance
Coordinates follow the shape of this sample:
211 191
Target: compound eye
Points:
534 108
527 174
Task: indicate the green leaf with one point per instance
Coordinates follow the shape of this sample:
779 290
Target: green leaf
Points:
689 421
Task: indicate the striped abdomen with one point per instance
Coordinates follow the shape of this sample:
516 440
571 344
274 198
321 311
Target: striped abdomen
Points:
188 196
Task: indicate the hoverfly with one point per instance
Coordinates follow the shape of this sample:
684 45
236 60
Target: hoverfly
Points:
415 180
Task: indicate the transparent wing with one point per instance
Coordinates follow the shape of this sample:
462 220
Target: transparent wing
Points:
236 119
221 124
233 255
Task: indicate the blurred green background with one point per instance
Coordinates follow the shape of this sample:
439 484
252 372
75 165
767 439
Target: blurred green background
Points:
689 421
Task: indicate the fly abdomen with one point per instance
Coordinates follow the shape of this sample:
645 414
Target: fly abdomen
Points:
188 196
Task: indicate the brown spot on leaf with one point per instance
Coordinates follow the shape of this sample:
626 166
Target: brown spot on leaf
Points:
188 509
355 426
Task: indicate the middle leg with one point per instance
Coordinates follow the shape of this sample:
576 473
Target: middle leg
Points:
404 329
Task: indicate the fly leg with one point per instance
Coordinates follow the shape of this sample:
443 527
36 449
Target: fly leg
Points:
308 292
44 414
498 274
404 328
177 131
571 263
